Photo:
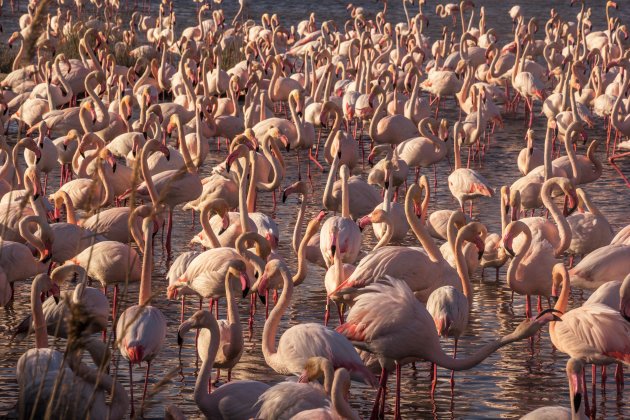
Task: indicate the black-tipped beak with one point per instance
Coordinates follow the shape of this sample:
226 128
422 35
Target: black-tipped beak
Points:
386 184
510 251
577 401
288 148
65 147
284 197
333 250
479 255
245 292
262 298
222 230
551 311
56 299
180 339
554 298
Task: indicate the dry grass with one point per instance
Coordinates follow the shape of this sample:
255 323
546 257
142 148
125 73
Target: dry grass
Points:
7 56
230 56
70 45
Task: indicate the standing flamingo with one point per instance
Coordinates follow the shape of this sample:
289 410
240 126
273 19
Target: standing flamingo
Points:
141 330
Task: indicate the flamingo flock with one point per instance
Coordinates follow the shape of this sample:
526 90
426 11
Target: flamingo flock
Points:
122 127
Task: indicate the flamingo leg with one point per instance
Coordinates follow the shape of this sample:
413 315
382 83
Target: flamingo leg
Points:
587 408
528 307
377 400
169 230
327 312
146 383
452 371
131 389
594 388
397 396
619 378
181 318
433 379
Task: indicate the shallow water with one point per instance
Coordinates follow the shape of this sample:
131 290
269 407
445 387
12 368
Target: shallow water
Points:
510 383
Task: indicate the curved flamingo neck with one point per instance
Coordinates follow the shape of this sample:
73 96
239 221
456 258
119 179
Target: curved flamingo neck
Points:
421 233
516 261
437 143
564 230
297 229
378 115
149 147
242 193
271 325
345 195
302 268
328 197
336 127
201 393
144 297
462 269
204 218
267 144
39 321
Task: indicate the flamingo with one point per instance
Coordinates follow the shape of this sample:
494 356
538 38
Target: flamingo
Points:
57 311
141 329
466 184
388 337
423 269
235 399
449 307
231 342
595 332
348 231
589 231
41 373
305 340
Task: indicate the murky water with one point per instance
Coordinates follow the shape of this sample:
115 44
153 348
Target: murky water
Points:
510 383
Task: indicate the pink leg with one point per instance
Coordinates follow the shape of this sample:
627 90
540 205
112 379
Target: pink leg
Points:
169 230
433 379
181 318
131 389
619 378
397 396
146 383
594 388
327 312
528 307
452 371
377 400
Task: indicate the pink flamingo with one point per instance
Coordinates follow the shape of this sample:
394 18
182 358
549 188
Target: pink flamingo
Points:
595 333
235 399
303 341
382 318
141 330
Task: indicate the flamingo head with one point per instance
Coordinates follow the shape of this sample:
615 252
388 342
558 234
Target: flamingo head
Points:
364 221
314 368
199 319
272 268
574 373
14 36
238 269
165 151
272 239
135 353
300 187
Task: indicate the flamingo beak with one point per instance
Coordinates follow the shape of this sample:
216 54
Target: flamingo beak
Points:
363 222
225 224
55 292
183 329
262 288
303 378
244 284
480 247
229 160
542 316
